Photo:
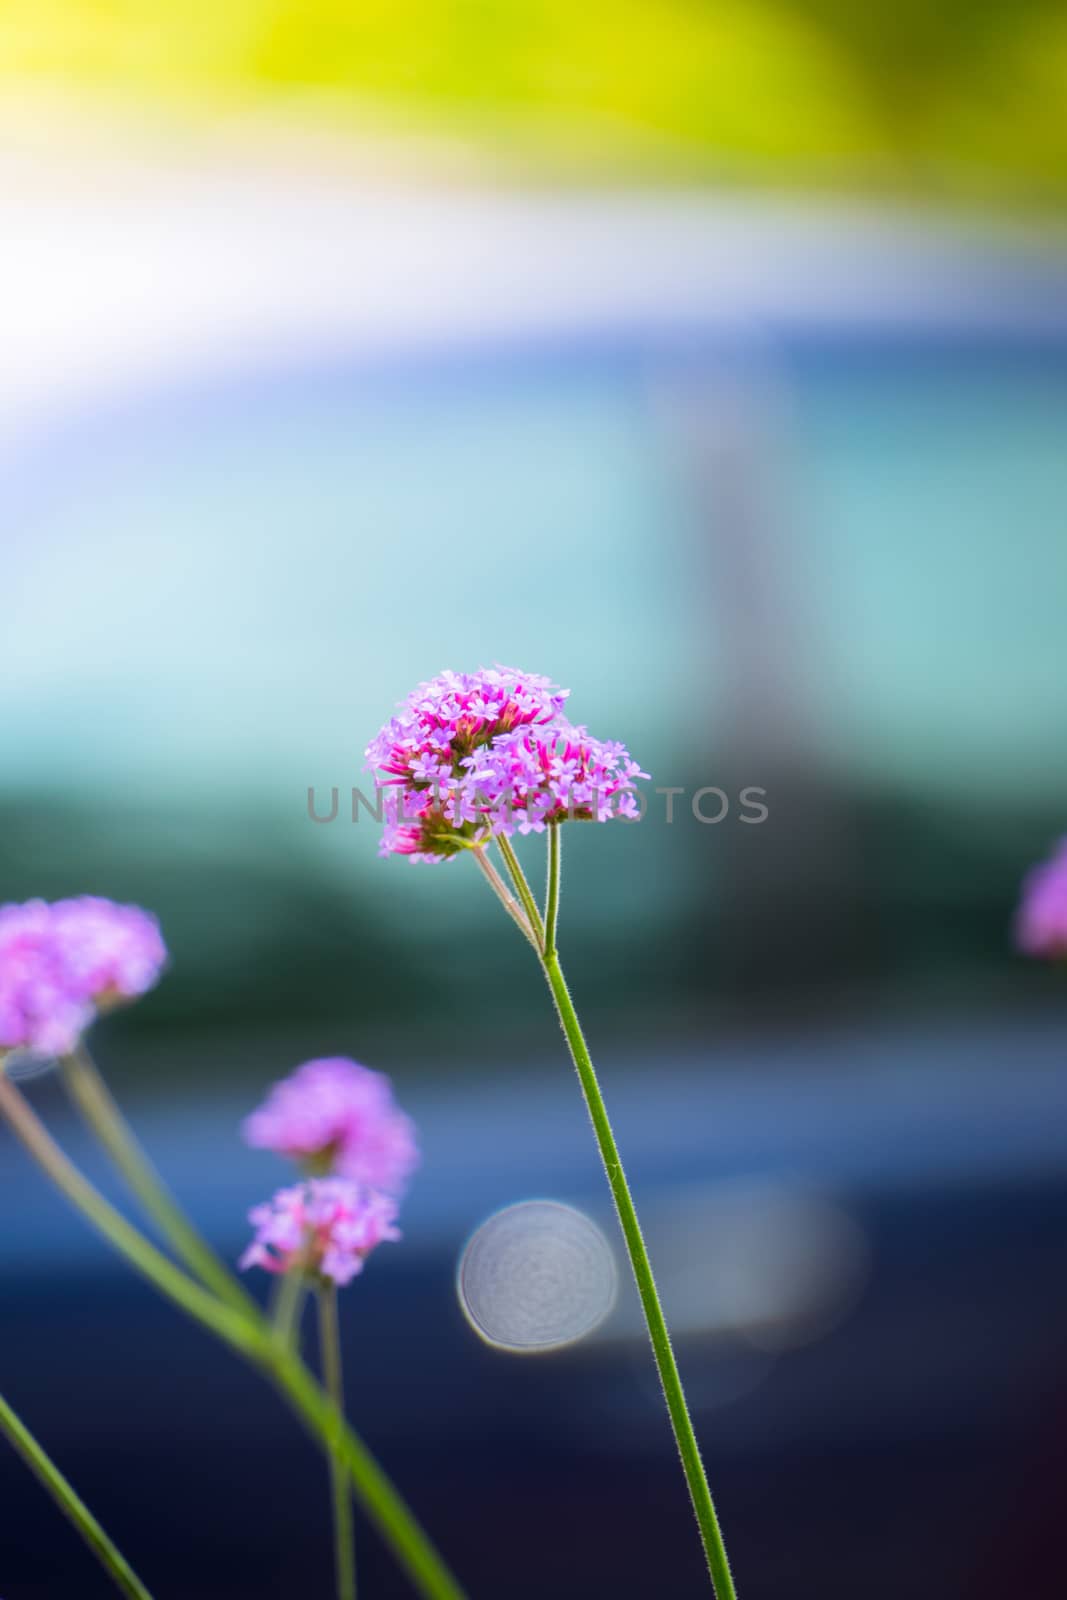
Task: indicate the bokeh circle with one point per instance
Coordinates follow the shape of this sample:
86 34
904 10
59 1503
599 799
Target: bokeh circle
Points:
536 1276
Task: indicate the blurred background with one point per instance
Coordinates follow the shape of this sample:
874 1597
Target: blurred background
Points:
711 359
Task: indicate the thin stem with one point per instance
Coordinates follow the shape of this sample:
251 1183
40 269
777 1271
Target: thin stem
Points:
95 1102
670 1378
288 1306
395 1522
522 888
552 892
696 1478
193 1299
71 1504
250 1337
507 900
330 1349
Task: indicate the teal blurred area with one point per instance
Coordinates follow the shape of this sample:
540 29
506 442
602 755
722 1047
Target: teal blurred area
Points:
832 569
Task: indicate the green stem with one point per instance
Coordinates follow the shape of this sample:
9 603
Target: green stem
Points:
94 1100
670 1378
395 1522
552 892
693 1467
70 1503
288 1307
252 1338
330 1348
522 889
176 1284
508 901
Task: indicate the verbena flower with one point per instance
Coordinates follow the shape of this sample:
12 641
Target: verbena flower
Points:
1041 920
112 952
325 1227
40 1010
487 753
61 963
334 1115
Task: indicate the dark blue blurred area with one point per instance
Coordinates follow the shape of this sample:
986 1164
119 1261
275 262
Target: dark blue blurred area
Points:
909 1443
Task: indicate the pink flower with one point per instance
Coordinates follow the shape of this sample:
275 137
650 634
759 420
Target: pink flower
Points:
40 1009
61 963
334 1115
452 715
112 952
1041 920
474 755
325 1227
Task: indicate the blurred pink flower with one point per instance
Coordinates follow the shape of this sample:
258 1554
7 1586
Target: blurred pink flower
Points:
61 963
1041 920
327 1226
334 1115
40 1010
112 952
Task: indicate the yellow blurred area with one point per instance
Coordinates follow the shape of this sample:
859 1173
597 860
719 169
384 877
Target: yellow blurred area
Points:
946 99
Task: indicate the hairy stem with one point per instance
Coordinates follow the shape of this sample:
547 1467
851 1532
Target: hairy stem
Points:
522 888
655 1321
507 900
659 1336
552 891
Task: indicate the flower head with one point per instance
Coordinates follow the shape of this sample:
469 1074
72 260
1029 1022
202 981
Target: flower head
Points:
334 1115
62 963
491 752
445 720
112 952
40 1009
1041 920
325 1227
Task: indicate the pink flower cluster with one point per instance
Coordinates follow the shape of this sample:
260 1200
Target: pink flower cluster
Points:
62 963
333 1115
325 1227
340 1122
1041 921
473 755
